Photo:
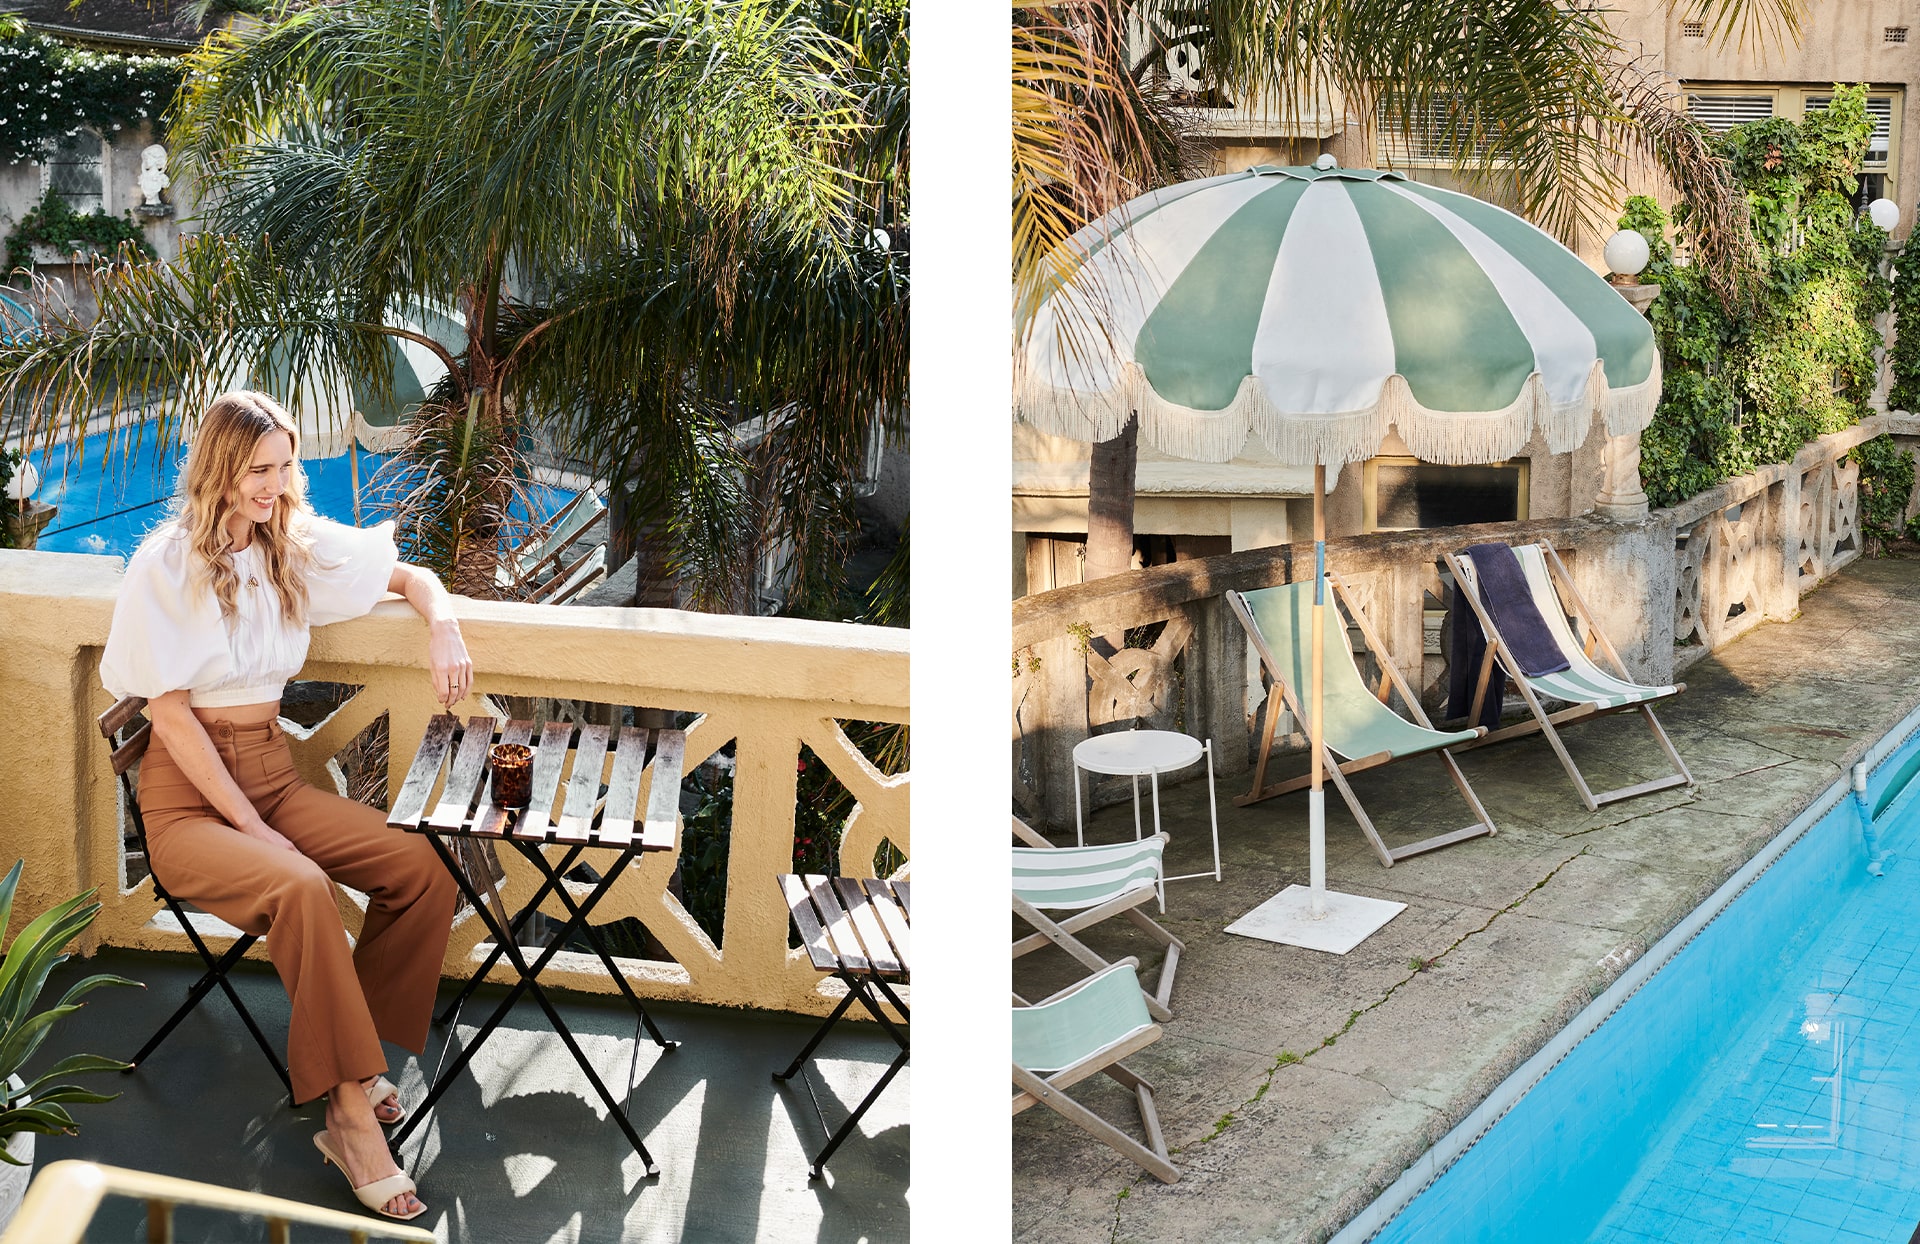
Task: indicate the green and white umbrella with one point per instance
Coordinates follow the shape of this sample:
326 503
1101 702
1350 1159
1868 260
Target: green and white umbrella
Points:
1315 308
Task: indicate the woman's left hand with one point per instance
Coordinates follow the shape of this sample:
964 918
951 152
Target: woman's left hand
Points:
448 662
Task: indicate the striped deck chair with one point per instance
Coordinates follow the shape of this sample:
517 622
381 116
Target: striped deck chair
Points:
1588 690
1360 725
1094 884
1084 1031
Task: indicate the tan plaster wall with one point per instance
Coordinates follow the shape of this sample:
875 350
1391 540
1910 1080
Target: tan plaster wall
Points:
1842 42
772 684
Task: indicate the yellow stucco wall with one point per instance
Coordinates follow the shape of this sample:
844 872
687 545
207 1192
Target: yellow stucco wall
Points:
771 684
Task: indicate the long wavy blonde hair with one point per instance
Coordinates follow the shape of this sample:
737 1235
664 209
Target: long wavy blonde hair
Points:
221 456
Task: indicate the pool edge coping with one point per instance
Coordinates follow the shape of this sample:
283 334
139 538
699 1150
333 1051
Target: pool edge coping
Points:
1380 1213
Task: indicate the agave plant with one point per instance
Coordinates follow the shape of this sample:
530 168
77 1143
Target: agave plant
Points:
41 1105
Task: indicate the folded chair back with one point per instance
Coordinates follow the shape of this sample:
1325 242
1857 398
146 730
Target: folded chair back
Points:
1084 1032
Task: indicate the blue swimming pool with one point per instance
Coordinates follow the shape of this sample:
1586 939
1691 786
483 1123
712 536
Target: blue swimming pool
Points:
111 496
1756 1083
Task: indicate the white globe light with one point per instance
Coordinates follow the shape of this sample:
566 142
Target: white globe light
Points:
25 480
1627 252
1326 162
1884 213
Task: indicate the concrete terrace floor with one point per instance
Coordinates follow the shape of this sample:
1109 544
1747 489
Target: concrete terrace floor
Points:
520 1150
1294 1086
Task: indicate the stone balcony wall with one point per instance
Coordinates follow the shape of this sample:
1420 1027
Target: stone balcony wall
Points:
771 686
1665 589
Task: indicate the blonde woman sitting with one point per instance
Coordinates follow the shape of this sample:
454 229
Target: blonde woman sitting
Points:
212 620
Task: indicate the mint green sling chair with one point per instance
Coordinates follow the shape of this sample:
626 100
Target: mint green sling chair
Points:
1361 730
1082 1031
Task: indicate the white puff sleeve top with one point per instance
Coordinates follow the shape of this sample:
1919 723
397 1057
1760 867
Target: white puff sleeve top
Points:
168 634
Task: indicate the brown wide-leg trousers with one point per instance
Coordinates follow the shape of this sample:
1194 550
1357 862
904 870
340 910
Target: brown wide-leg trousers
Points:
345 999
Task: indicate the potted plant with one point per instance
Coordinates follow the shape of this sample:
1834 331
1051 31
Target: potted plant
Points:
39 1106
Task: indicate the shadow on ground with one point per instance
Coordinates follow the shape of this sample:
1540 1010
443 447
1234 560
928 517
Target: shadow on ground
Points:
1294 1085
520 1150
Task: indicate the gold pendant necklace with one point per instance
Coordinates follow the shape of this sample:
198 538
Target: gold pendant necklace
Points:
252 582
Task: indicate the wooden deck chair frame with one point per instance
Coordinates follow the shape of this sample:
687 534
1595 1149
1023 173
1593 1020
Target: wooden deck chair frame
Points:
1051 932
1050 1091
1337 770
1592 641
567 527
128 748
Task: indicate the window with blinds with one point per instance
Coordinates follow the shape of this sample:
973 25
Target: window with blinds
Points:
1722 112
1880 108
1437 133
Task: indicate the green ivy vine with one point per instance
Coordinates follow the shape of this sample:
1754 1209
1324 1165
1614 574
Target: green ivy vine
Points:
1905 394
1751 385
50 91
53 223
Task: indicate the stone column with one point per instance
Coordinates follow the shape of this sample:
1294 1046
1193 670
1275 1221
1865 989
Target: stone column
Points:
1621 498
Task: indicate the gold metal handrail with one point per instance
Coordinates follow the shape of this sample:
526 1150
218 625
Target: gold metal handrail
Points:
64 1196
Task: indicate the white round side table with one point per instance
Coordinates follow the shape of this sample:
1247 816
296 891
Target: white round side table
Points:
1145 753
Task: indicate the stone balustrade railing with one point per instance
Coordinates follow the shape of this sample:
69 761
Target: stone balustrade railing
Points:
768 686
1666 589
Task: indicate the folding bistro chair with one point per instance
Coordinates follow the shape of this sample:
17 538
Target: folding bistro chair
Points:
1080 1031
1589 690
129 744
1359 724
859 930
1093 883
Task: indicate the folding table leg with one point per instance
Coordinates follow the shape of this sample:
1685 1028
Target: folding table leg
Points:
518 923
554 877
528 984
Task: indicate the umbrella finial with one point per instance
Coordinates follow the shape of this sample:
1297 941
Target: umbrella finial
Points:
1326 163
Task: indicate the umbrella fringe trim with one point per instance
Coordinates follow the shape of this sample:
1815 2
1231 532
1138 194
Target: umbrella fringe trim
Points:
1335 439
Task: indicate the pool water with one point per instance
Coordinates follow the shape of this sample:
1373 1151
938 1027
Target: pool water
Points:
1760 1086
110 497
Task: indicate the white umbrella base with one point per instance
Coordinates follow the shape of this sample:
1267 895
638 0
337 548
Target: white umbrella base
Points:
1288 918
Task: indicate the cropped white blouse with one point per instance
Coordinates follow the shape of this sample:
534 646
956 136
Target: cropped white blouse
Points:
168 634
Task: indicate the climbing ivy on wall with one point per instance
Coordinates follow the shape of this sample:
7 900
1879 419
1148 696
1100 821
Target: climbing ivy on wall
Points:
1905 394
50 91
54 224
1750 385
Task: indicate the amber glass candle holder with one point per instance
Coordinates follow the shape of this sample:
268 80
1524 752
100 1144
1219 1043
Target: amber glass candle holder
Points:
511 765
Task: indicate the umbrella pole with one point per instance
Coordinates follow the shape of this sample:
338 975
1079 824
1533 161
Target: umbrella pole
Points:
353 464
1317 799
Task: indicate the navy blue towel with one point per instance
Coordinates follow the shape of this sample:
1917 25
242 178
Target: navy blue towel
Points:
1464 654
1504 595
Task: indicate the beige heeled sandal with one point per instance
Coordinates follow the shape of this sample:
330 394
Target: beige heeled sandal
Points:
377 1093
373 1195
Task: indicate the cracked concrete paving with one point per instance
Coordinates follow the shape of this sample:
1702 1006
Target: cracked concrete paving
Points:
1282 1134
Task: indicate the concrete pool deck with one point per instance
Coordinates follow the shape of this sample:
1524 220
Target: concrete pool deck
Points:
1294 1086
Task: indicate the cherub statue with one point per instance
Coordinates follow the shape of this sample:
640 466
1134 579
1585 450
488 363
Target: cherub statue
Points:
153 174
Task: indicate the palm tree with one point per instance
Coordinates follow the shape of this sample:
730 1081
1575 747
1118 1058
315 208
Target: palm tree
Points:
629 202
1542 96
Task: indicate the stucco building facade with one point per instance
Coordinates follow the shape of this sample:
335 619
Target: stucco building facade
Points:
1193 509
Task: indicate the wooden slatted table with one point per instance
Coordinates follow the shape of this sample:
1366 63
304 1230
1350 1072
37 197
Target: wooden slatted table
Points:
583 816
857 929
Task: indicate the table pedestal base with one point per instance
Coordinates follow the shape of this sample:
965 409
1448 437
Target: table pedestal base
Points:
1288 918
